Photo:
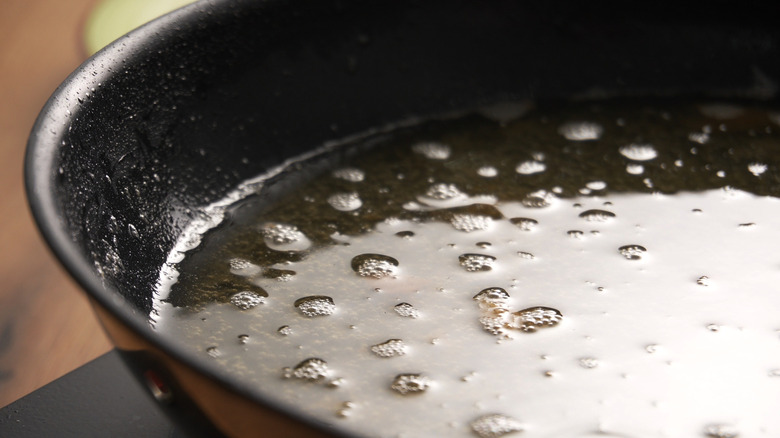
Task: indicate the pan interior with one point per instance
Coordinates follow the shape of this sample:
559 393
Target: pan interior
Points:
169 120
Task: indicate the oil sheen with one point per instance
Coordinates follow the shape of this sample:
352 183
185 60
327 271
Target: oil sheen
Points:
543 270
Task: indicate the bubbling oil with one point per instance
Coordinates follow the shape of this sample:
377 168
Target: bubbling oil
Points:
586 269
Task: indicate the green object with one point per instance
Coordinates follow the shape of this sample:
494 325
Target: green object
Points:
113 18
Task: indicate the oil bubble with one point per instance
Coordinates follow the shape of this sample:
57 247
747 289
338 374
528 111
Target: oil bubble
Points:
596 185
524 223
350 174
632 252
444 192
581 131
312 369
406 310
487 171
281 234
244 268
596 215
538 199
634 169
284 237
533 318
405 234
492 294
469 377
213 352
279 274
638 152
432 150
390 348
315 305
525 255
284 330
346 409
575 234
476 262
495 426
335 383
470 222
345 201
374 265
699 137
588 362
530 167
246 300
243 339
410 384
703 281
721 431
757 168
494 322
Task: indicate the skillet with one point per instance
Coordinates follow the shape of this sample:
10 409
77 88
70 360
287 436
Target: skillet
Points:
155 126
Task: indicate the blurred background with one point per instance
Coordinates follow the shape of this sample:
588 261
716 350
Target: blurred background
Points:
46 324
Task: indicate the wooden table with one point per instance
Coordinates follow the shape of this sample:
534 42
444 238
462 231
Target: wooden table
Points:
46 325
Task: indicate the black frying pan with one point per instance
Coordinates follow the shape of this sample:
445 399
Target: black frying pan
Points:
155 125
